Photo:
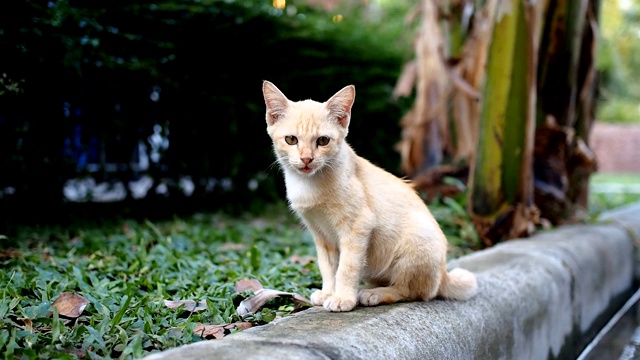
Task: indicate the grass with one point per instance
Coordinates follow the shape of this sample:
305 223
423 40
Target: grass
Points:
619 110
611 190
126 271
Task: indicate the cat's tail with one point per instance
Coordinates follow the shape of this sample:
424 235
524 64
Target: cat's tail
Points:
458 284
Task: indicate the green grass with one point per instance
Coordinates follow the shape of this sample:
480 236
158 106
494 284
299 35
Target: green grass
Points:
615 178
127 270
611 190
619 110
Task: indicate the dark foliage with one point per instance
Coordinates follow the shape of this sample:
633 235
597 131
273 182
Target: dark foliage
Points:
84 84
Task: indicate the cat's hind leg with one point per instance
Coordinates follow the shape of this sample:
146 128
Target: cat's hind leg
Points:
382 295
408 283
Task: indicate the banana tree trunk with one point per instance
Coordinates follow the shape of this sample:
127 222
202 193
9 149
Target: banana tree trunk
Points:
563 161
500 198
520 83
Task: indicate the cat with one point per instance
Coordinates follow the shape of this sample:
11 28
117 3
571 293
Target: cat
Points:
367 224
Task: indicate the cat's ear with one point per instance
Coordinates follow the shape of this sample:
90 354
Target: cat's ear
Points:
340 104
276 102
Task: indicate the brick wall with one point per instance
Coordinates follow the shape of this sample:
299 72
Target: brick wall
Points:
617 147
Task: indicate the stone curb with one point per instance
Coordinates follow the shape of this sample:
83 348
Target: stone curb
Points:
541 297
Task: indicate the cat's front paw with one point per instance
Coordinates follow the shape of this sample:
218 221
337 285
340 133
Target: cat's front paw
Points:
319 297
338 303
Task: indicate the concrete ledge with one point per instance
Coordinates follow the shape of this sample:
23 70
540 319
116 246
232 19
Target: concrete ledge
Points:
541 297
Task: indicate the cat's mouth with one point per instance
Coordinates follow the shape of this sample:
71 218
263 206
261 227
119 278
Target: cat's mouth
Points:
305 169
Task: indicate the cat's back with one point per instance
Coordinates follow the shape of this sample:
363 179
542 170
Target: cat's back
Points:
384 187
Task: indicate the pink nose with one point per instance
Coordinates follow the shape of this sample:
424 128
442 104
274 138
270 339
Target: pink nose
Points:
306 160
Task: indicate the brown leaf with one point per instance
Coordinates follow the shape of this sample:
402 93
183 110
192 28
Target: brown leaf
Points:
297 259
9 253
26 324
70 304
253 303
204 330
189 305
218 331
248 284
239 325
406 81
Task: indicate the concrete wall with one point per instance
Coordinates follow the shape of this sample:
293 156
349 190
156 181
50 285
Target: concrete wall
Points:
540 298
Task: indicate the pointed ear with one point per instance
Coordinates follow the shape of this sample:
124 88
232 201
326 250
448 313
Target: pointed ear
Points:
276 102
340 105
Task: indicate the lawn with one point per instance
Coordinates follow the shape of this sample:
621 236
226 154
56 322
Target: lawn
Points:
129 288
126 271
609 190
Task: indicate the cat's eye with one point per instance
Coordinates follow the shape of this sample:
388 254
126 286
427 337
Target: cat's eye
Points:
291 140
322 141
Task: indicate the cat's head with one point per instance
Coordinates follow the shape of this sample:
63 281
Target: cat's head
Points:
308 136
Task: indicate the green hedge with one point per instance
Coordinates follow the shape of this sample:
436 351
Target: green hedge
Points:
81 73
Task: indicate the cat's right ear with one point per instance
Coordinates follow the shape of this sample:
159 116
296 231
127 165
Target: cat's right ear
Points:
276 102
340 105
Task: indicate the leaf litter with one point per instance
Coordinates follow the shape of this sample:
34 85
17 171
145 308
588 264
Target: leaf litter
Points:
70 304
261 296
247 307
189 305
218 331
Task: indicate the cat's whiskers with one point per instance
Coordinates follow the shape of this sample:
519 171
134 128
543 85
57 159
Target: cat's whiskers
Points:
273 165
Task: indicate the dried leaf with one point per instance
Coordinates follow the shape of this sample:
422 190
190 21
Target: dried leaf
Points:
463 86
248 284
297 259
504 8
204 330
238 325
253 303
26 324
218 331
189 305
406 81
9 253
70 304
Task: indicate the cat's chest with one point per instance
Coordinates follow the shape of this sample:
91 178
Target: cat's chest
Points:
302 193
322 222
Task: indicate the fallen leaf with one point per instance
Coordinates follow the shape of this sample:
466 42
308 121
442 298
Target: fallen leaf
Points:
232 246
253 303
27 324
248 284
218 331
297 259
70 304
9 253
189 305
204 330
239 325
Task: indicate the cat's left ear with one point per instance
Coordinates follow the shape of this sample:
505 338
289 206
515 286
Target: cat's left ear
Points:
340 104
275 101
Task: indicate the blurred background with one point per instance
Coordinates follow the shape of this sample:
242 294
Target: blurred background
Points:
149 106
143 108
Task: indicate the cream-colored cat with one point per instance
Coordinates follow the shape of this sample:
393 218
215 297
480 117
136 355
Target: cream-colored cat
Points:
367 224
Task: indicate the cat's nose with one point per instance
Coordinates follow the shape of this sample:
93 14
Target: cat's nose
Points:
307 160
